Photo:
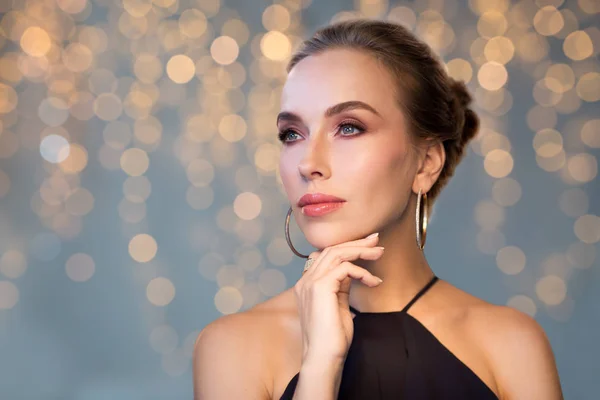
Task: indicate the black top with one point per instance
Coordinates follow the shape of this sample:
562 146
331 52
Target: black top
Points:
393 356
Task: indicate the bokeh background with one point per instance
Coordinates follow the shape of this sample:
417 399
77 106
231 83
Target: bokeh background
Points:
140 197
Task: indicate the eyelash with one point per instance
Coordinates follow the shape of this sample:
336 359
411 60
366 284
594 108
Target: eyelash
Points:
282 134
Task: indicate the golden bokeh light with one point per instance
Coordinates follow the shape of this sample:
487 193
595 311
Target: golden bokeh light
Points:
551 290
506 192
200 172
228 300
80 267
548 21
278 252
142 248
574 202
492 23
13 264
460 69
76 161
492 75
499 49
276 18
35 41
275 46
511 260
523 303
134 161
583 167
581 255
9 295
181 68
498 163
224 50
590 133
588 87
489 215
160 291
232 128
193 23
199 198
587 228
547 143
578 46
247 206
79 202
231 275
137 189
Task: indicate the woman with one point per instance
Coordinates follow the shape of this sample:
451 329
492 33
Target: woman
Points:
372 128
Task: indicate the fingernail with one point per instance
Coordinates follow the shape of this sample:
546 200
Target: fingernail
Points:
379 279
380 247
372 235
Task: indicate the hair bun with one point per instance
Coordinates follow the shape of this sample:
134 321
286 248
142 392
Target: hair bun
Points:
468 122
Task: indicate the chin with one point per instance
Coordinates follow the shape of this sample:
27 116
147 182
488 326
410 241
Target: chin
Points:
321 236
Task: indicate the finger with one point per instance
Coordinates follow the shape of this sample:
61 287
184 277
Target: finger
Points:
347 269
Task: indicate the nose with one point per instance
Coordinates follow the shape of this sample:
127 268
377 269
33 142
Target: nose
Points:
315 161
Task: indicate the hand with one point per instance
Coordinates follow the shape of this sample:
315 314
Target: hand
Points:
322 293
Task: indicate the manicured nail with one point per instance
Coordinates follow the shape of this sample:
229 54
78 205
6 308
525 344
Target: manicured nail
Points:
380 247
379 279
372 235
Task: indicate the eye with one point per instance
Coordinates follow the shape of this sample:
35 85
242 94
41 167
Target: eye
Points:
348 128
283 135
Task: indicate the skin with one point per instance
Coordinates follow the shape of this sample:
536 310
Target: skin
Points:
378 170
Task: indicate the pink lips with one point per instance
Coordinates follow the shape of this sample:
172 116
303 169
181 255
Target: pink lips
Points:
317 204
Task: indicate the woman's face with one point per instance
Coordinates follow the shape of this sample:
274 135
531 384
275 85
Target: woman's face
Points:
359 153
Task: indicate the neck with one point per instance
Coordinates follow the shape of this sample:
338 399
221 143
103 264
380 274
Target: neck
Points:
402 267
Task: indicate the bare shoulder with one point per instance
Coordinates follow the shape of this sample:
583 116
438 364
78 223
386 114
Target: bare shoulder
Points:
515 346
233 355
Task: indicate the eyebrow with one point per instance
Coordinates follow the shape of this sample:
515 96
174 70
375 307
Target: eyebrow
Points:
331 111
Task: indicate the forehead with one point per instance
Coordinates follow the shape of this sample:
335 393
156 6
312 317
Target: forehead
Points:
334 76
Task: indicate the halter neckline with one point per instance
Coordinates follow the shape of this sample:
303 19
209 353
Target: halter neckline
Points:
406 307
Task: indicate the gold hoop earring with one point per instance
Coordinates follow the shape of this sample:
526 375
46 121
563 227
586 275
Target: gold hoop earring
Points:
421 219
287 234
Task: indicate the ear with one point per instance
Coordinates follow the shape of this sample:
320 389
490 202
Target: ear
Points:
431 160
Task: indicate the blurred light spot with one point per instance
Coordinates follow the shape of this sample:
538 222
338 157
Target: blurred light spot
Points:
164 339
532 47
492 23
506 192
544 94
160 291
460 69
498 163
236 29
109 157
192 23
587 228
511 260
35 41
9 144
77 57
589 6
278 252
588 87
80 202
492 75
523 303
53 111
137 189
266 157
175 363
9 295
108 107
132 212
548 21
249 258
275 46
551 164
72 6
499 49
488 214
583 167
181 68
200 172
137 8
117 134
80 267
271 282
45 246
574 202
135 161
199 198
590 133
226 219
148 68
13 264
230 275
224 50
8 99
228 300
551 289
560 78
403 16
276 18
54 148
251 294
539 117
232 128
4 184
247 205
581 255
547 143
142 248
578 46
209 265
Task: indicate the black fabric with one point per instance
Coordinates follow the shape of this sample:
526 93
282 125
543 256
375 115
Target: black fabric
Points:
393 356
